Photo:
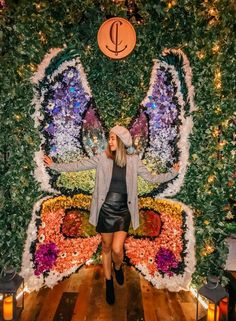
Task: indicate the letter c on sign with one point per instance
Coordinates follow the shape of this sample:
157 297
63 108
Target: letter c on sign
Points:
116 38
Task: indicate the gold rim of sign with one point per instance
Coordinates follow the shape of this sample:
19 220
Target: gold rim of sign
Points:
116 38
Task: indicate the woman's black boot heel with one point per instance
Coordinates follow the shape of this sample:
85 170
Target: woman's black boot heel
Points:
110 295
119 275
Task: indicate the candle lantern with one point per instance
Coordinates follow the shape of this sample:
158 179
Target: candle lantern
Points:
11 295
217 299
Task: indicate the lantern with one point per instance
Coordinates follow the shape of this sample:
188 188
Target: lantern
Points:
12 295
217 298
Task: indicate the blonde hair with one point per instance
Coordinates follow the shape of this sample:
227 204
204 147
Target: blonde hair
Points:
120 155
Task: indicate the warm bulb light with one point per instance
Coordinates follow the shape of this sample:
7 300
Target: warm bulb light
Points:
225 123
42 37
8 308
216 48
209 249
213 12
211 179
211 313
33 67
201 54
224 306
218 110
215 132
17 117
217 79
38 6
222 144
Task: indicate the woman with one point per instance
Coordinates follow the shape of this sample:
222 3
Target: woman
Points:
115 198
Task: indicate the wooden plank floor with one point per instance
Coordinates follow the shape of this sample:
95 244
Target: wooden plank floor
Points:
82 298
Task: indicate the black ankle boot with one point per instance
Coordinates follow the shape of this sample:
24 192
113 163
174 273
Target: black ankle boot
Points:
110 295
119 275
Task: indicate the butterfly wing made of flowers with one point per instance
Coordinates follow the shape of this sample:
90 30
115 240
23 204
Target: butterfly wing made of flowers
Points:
162 248
161 130
66 115
59 240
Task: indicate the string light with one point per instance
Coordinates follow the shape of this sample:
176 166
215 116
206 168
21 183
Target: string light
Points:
88 49
225 123
17 117
42 37
33 67
171 4
209 249
40 6
216 48
211 178
217 79
213 12
222 144
201 54
213 15
218 109
215 132
20 71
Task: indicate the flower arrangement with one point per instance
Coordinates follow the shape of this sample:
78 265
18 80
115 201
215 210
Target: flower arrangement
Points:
71 128
166 261
45 257
170 254
162 248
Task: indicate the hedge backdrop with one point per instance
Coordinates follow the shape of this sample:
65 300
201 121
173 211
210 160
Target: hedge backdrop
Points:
204 30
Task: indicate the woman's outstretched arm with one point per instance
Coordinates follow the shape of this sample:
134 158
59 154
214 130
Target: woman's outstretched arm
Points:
82 165
156 178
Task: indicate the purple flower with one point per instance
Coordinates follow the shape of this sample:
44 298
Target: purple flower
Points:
50 129
45 257
165 261
66 102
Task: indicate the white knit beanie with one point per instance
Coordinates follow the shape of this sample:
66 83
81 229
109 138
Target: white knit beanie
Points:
123 134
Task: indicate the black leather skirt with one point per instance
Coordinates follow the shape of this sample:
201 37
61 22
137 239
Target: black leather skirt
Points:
114 214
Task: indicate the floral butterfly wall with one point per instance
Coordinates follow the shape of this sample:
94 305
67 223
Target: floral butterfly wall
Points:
59 238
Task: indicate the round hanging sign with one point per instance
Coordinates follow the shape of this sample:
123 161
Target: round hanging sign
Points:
116 38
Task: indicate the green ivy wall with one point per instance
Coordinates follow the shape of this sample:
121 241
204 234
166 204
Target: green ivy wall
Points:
204 30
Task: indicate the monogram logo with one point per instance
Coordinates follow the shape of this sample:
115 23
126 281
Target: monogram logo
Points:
116 38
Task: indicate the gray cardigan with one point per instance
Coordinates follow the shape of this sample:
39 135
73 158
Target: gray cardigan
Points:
103 166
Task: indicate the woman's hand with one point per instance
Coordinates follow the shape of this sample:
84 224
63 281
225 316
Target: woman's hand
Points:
176 167
47 160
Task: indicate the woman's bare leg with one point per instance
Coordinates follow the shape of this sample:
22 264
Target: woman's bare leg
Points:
118 248
106 253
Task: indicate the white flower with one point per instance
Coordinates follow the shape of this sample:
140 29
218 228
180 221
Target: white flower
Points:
51 105
41 238
70 74
150 260
43 224
63 255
